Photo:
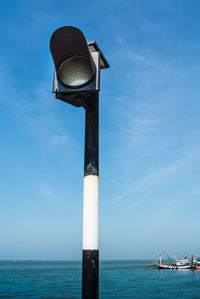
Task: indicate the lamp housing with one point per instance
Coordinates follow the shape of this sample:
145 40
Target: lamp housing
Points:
77 65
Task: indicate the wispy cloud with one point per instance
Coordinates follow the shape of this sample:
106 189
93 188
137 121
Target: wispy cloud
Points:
131 54
142 122
58 141
49 197
46 192
143 67
157 178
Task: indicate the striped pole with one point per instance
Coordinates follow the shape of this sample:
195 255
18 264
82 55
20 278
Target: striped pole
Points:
90 259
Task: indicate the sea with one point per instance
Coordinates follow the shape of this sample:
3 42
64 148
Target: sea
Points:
118 279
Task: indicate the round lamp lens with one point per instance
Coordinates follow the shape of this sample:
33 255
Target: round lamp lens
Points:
75 71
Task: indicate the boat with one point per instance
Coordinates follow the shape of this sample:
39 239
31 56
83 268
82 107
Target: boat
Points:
169 265
150 266
197 263
166 266
184 263
181 263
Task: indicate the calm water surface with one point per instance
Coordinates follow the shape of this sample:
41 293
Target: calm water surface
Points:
118 279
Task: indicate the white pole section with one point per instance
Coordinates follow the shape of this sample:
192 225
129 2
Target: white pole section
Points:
90 212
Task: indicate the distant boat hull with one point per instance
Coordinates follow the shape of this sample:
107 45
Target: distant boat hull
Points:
166 266
184 267
175 267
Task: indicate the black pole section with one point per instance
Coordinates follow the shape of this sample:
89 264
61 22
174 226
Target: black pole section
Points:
91 163
90 258
90 274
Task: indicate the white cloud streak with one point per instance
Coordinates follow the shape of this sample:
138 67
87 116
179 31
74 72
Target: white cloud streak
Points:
157 178
46 192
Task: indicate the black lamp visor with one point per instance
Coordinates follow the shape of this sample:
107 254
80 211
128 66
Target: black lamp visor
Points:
70 51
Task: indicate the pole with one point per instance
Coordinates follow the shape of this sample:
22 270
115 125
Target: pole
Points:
90 259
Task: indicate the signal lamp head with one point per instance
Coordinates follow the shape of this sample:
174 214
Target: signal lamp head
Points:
75 71
72 58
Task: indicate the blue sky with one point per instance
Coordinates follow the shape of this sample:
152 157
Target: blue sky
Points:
149 130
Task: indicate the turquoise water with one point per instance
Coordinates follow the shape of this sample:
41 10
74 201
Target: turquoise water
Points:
118 279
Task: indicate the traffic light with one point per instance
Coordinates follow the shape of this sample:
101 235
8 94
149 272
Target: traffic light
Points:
77 65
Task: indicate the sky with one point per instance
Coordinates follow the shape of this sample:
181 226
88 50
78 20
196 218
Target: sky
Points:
149 131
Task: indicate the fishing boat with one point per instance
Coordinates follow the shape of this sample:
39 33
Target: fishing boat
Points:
181 263
184 263
169 265
166 266
197 263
